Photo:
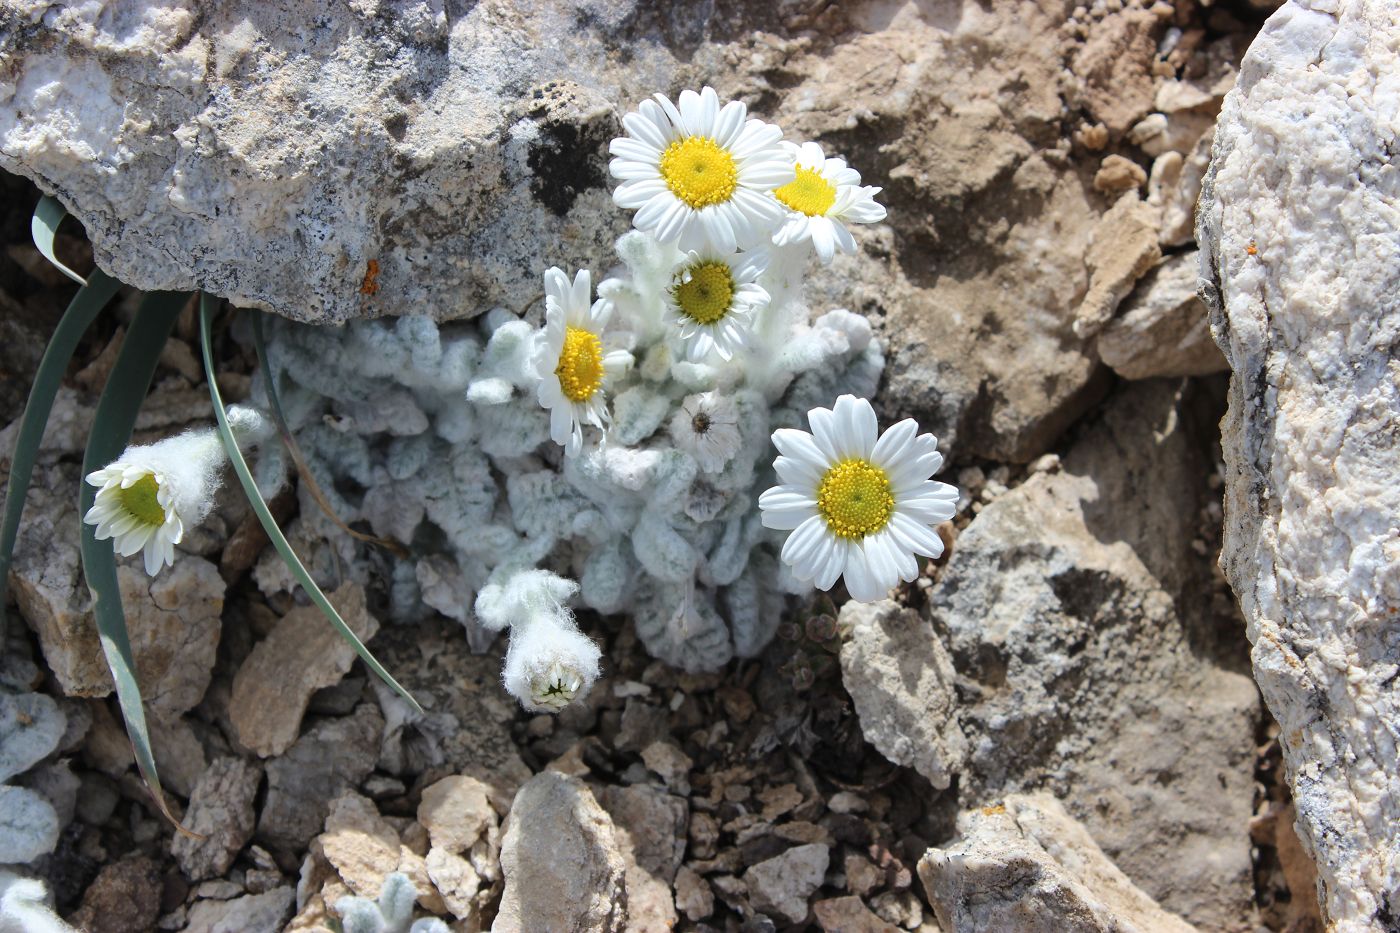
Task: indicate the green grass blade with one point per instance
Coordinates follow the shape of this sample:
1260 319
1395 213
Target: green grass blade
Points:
47 216
112 425
255 499
82 311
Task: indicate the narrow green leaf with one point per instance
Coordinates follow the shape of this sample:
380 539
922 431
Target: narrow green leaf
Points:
112 425
47 216
82 311
274 533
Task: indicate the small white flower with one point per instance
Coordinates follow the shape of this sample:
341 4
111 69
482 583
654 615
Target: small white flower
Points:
699 174
573 365
148 496
821 200
707 428
549 661
714 299
857 506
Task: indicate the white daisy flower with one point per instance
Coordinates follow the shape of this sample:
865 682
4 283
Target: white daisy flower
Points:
821 200
148 496
713 301
573 365
698 174
707 428
857 506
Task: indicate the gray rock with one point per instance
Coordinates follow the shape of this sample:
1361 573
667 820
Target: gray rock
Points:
1161 328
650 827
1082 620
1027 865
29 825
1124 247
332 756
456 811
300 656
1300 252
31 726
466 728
900 678
560 858
221 815
252 913
457 155
249 174
781 886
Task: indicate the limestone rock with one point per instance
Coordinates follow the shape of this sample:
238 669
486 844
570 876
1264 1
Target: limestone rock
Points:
1124 248
441 137
780 886
364 848
31 726
1118 174
900 678
221 814
693 895
1026 865
650 828
1162 327
214 154
562 866
1174 187
849 915
332 756
252 913
173 619
1082 620
300 656
456 811
1302 272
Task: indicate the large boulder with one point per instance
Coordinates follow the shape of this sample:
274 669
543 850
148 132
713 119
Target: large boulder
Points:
1300 233
1095 663
407 156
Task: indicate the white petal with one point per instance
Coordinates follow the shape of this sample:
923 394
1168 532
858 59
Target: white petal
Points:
890 448
802 544
856 419
916 536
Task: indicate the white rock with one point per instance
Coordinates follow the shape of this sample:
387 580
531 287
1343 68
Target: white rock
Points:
900 678
252 913
1027 865
1300 234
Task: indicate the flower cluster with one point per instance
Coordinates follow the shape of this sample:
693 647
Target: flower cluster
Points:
625 443
717 193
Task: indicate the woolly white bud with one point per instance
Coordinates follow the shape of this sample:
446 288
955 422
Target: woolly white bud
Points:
549 661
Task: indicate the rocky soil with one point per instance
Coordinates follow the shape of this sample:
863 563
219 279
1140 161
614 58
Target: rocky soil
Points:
1054 728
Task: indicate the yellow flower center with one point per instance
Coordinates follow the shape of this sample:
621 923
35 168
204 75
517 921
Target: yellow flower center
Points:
580 368
704 291
855 499
699 171
139 499
808 193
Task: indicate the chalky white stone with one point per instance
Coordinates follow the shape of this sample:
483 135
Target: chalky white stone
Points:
1300 232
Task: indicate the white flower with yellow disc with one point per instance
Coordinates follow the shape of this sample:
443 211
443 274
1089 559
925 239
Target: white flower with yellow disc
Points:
713 301
573 364
857 506
824 197
700 175
148 496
